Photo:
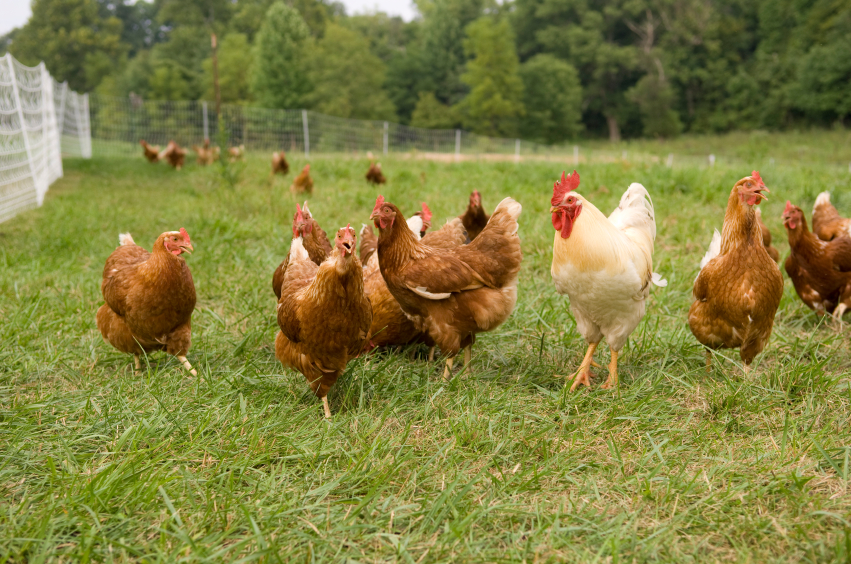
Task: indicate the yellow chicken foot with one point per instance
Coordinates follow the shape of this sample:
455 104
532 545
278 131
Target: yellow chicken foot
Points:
583 375
837 315
187 366
612 380
708 360
447 370
468 359
431 354
595 364
137 364
326 407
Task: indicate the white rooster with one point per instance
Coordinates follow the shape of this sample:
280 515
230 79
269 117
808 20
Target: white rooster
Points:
604 265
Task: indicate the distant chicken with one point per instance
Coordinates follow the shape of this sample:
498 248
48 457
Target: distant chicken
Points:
451 294
323 314
766 238
174 155
739 287
152 152
236 153
604 265
204 153
279 163
820 270
303 183
374 175
314 240
474 218
827 223
149 298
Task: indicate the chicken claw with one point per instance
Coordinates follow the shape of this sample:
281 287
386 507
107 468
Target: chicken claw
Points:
582 378
583 375
612 380
187 366
326 407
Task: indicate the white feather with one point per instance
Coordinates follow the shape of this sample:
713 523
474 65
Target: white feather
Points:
658 280
415 224
421 291
125 239
635 210
822 200
714 249
297 250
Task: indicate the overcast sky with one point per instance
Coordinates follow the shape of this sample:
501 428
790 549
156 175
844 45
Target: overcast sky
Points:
15 13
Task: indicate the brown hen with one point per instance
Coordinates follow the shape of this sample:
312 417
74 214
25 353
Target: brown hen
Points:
827 223
475 218
314 239
302 183
152 152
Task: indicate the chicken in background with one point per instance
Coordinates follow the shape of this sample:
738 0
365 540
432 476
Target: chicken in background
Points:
314 240
152 152
303 183
766 238
420 221
451 294
236 153
738 288
204 153
820 270
374 175
279 163
323 314
149 298
827 223
475 218
173 154
604 265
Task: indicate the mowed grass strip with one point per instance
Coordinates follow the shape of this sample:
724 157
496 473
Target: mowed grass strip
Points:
505 465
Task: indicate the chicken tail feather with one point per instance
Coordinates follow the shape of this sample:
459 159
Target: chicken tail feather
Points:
714 249
125 239
823 199
657 279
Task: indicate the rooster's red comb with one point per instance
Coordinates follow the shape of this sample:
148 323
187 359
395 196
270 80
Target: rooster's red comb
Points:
378 203
185 234
757 178
563 186
426 213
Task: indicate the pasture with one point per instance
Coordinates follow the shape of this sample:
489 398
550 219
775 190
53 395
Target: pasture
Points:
505 465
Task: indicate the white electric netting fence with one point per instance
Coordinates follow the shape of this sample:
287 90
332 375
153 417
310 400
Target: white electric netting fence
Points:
39 120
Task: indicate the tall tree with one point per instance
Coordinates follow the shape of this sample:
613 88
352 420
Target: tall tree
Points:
495 101
72 39
347 78
280 76
235 62
552 96
431 114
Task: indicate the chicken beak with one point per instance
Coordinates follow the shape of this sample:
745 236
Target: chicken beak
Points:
553 209
187 248
761 195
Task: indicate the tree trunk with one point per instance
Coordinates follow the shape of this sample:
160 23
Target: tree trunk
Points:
614 130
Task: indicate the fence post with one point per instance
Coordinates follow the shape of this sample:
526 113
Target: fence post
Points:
60 117
206 121
670 160
87 133
306 134
711 160
386 127
517 150
26 137
576 155
457 144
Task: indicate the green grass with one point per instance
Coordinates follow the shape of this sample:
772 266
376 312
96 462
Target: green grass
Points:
239 465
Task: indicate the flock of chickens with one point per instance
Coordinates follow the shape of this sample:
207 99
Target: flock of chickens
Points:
409 285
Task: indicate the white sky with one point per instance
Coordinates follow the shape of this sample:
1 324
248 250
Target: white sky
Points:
15 13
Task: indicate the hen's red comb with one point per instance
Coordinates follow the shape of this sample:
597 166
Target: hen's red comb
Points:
185 234
378 203
757 178
789 207
426 213
299 215
563 186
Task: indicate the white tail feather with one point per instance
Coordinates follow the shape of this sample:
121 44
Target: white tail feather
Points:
635 210
415 224
823 199
513 208
657 279
297 250
714 249
125 239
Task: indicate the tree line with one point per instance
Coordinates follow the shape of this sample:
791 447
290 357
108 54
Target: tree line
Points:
544 70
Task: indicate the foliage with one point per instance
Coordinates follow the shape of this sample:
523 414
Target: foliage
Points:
431 114
502 465
347 78
279 79
552 96
235 60
72 39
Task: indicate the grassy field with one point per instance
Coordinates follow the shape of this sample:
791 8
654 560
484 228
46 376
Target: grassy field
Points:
505 465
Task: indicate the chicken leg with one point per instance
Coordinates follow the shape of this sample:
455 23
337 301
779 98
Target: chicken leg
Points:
431 354
447 370
838 313
612 380
137 365
326 407
708 360
468 359
187 366
583 375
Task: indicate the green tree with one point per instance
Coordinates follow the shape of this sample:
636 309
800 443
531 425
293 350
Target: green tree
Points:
431 114
552 96
72 39
235 61
280 53
495 100
169 81
347 78
655 99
